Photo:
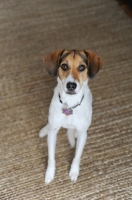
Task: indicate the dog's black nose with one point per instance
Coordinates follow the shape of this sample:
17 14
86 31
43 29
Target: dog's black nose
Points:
71 86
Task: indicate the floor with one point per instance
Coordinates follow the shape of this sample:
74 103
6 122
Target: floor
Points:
28 31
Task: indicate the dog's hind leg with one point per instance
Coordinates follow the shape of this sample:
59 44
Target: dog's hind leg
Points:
44 131
71 134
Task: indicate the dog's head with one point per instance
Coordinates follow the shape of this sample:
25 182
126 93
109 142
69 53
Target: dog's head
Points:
73 67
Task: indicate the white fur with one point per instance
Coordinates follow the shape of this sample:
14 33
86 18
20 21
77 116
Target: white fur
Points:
77 124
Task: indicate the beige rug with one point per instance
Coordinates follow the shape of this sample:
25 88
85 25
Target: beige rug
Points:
30 29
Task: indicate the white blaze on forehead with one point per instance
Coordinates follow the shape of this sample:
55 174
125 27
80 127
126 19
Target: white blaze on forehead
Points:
70 78
73 53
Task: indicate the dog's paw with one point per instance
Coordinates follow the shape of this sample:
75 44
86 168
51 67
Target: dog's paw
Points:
74 172
43 132
49 176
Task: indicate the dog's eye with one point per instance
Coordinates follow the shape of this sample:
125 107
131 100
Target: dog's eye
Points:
81 68
64 67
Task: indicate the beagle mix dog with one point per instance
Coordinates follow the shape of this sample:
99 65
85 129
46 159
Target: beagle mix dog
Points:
71 105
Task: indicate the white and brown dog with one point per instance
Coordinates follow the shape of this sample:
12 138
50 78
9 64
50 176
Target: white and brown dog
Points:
71 105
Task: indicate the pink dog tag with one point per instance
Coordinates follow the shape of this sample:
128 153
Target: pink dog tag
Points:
67 111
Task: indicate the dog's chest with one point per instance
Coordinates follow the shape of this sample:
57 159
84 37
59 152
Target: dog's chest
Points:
69 121
80 115
78 119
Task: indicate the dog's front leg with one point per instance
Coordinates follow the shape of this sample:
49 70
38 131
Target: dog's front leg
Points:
74 171
49 176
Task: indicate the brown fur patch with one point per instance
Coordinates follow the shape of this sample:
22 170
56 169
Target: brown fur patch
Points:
73 60
51 62
94 63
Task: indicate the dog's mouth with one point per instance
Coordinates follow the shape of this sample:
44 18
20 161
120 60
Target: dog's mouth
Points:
70 93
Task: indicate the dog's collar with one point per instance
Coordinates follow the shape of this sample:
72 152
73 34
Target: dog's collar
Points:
68 111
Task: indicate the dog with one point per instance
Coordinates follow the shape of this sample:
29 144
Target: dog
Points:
71 105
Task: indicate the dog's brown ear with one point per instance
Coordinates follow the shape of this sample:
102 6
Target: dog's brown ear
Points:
52 62
94 63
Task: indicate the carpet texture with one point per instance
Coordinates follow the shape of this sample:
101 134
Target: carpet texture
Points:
29 30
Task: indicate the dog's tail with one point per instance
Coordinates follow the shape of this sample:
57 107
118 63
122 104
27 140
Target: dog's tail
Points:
44 131
71 134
